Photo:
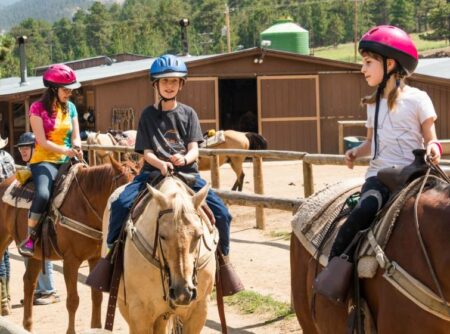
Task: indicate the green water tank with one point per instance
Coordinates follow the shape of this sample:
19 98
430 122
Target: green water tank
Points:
286 35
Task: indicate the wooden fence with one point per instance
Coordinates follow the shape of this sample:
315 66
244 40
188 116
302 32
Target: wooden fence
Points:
258 200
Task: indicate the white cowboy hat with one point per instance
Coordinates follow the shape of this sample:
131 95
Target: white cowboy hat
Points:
3 142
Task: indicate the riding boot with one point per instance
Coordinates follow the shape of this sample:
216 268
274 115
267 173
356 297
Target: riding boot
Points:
5 306
26 247
231 283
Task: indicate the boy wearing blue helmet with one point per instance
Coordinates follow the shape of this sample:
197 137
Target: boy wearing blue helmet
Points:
168 136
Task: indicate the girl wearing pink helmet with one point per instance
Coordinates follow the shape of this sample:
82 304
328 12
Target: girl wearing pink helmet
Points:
54 122
400 119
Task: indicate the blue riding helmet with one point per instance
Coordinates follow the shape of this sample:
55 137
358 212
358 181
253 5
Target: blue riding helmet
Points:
26 139
168 66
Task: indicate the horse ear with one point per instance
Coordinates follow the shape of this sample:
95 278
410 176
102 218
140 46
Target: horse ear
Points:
200 196
160 198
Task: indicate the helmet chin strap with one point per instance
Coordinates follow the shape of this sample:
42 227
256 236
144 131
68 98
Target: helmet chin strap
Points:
380 90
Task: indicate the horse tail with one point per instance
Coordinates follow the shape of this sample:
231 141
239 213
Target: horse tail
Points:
257 142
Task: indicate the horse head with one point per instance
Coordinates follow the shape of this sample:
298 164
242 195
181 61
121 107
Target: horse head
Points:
179 231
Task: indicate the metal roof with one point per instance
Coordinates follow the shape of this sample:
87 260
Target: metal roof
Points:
12 85
436 67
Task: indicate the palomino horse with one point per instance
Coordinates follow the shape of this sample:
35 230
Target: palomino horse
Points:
235 140
84 203
125 138
419 233
172 275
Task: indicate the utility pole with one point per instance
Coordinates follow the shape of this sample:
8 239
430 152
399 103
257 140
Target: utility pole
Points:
356 31
227 24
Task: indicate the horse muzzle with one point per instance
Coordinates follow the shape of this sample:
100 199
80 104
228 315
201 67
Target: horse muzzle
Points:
182 295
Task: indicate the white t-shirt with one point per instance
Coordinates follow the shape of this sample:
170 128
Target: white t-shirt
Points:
399 130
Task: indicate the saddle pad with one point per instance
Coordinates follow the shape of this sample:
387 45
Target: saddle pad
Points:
61 193
314 217
215 140
19 196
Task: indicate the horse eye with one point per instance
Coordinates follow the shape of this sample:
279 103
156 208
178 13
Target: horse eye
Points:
162 237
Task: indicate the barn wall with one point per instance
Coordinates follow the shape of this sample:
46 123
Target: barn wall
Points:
136 93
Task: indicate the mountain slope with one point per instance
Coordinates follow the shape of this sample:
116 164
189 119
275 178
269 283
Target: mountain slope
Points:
12 12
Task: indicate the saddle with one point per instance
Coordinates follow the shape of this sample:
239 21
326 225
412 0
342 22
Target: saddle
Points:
213 138
395 177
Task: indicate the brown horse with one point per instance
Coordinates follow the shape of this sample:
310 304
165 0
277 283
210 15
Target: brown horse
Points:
169 261
235 140
392 312
85 201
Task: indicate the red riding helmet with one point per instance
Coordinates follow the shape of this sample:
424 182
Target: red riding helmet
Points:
391 42
60 75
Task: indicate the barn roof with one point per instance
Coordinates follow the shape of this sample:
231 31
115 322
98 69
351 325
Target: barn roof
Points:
10 87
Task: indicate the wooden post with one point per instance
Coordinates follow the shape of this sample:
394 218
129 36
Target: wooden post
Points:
308 183
259 189
215 176
91 157
341 137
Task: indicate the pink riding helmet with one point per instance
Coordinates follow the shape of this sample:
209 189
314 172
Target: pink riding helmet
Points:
391 42
60 75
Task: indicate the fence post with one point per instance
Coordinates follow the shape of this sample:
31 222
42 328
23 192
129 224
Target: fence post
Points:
215 176
259 189
91 157
308 183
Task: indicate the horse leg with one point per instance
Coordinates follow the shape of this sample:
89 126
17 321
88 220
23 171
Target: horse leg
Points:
29 285
96 297
195 323
299 287
71 266
138 322
236 165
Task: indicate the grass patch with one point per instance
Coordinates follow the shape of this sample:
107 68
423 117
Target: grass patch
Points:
250 302
345 52
285 235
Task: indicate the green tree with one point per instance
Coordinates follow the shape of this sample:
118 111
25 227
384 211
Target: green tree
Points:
98 29
440 22
402 14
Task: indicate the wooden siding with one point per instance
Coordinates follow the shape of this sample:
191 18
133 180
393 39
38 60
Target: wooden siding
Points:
440 96
136 93
288 103
295 136
340 99
202 95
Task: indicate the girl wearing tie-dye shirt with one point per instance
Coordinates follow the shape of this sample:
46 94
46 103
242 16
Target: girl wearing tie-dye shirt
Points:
54 122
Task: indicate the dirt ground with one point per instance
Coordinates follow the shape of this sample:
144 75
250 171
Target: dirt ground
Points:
260 258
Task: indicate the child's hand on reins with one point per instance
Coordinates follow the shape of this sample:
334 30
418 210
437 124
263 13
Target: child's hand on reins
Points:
434 152
177 160
165 166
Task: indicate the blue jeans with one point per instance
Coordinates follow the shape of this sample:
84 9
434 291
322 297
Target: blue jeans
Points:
120 209
45 283
44 175
5 268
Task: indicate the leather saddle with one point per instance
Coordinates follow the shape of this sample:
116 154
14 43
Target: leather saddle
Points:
395 177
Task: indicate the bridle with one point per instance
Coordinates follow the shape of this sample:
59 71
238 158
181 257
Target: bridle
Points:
164 268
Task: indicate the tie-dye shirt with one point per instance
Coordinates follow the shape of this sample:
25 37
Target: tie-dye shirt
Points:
57 128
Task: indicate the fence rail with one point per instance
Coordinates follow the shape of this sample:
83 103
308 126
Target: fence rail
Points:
258 199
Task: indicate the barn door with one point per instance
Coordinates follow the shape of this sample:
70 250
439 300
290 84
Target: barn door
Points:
202 94
289 112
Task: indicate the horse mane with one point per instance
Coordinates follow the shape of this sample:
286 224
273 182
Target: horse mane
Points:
95 178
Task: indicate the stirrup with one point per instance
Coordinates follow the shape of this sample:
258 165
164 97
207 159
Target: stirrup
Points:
26 251
231 283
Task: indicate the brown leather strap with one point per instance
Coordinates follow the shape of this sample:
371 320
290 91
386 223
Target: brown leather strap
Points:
220 304
115 281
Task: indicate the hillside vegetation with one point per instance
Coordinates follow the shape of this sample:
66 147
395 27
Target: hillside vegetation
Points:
77 29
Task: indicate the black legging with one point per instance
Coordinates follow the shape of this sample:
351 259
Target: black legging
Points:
374 196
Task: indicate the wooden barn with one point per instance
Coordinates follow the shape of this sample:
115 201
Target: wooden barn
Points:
293 100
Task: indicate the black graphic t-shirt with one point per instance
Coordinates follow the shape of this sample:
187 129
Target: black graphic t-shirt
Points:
167 133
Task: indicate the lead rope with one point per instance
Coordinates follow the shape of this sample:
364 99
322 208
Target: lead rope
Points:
422 244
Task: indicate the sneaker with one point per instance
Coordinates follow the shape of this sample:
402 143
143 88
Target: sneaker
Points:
26 247
47 299
36 296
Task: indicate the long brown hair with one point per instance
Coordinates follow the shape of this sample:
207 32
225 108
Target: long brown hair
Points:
399 77
50 99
